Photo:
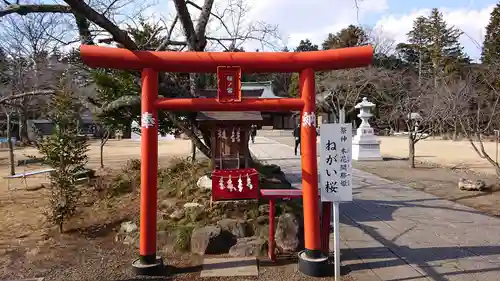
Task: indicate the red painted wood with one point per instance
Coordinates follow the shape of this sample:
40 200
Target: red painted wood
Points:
280 193
257 62
212 104
271 244
228 84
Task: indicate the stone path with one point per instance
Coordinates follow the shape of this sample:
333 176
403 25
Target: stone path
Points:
393 232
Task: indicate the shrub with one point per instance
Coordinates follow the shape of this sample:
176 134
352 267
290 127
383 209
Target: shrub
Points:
66 152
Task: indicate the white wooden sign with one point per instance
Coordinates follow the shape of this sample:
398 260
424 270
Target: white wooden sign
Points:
335 172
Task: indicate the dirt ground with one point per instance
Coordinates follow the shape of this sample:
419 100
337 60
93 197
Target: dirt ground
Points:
31 247
441 164
448 153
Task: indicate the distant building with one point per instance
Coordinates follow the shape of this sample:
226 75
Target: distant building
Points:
263 89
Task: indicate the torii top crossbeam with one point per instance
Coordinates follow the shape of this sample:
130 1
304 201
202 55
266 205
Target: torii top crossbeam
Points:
256 62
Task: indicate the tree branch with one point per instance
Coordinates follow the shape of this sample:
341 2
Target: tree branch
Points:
118 34
35 8
187 23
26 94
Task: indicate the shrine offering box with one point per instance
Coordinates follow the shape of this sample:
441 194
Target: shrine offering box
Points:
235 184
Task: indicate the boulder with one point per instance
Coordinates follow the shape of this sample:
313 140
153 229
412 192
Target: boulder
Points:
249 247
173 241
128 227
192 205
211 240
177 215
204 183
128 234
236 227
168 203
287 234
469 185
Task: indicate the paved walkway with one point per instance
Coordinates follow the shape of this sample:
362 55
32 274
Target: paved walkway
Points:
393 232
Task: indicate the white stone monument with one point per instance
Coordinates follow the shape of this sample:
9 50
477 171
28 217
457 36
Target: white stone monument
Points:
365 145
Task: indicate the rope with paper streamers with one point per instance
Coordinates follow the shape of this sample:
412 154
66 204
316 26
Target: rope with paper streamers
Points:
226 182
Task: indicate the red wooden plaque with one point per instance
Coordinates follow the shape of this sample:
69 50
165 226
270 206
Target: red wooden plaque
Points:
235 184
228 83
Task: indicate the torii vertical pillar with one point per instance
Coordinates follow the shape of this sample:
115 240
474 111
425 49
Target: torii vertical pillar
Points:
148 263
312 261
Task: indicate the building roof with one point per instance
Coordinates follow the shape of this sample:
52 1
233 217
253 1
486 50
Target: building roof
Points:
266 86
212 93
229 116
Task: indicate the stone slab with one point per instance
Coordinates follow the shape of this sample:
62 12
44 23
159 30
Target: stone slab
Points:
223 267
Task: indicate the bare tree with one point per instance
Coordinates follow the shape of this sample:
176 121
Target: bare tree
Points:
414 102
479 96
342 89
229 30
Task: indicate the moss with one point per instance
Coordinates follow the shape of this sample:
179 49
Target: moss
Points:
183 239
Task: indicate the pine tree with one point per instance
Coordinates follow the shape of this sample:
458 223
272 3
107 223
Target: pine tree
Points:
434 49
491 44
445 51
350 36
65 151
306 46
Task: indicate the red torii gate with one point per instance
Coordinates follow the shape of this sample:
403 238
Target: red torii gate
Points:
312 261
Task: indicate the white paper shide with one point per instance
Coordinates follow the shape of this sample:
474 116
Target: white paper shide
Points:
336 162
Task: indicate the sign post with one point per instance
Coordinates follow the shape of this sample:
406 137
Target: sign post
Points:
336 175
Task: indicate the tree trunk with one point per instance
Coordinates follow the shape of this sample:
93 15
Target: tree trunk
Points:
104 140
23 125
193 152
411 154
11 146
455 130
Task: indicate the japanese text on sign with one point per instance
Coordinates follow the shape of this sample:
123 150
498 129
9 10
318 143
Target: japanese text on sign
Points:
229 84
335 162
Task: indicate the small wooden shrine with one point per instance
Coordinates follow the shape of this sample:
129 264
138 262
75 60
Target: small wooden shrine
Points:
230 134
232 176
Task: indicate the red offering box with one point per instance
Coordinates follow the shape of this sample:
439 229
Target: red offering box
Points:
236 184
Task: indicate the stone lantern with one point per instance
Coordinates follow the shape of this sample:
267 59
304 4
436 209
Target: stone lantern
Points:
365 145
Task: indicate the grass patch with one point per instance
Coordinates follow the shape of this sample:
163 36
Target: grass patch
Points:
183 239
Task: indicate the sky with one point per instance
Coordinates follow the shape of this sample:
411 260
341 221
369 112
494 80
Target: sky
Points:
314 19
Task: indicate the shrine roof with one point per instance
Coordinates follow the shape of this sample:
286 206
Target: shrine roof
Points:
212 93
229 116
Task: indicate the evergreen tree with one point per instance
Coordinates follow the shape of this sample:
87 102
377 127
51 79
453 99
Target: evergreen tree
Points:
306 46
434 49
491 44
350 36
65 151
445 51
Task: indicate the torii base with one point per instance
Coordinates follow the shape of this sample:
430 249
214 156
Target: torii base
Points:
314 267
155 268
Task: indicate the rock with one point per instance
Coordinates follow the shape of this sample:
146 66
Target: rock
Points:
262 220
264 209
287 233
168 203
204 183
236 227
177 215
195 214
174 241
477 185
128 227
249 247
211 240
192 205
128 238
